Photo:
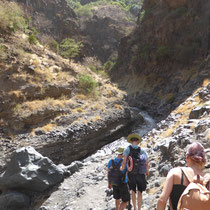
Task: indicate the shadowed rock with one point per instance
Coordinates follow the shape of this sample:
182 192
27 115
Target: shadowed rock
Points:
28 180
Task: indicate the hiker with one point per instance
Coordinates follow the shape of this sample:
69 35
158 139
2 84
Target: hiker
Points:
117 180
176 181
136 175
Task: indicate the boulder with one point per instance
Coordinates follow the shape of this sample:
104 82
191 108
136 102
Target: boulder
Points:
13 201
197 112
29 170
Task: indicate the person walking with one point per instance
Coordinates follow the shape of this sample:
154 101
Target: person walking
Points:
176 180
118 180
139 167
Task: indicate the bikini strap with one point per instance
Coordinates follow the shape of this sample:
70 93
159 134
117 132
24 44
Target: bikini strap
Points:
182 177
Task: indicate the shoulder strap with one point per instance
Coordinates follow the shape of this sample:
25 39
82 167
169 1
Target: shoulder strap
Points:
208 185
132 149
113 164
187 174
118 164
182 177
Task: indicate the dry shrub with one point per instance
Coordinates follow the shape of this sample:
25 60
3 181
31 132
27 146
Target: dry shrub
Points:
11 16
16 93
118 106
48 127
79 109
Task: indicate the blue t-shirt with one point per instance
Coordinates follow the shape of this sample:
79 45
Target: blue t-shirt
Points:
116 160
127 151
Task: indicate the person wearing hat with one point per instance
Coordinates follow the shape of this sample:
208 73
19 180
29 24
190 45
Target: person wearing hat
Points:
140 168
120 189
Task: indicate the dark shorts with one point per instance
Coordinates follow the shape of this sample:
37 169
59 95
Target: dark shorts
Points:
138 181
121 192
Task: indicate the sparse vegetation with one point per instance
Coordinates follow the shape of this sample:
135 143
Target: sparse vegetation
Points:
11 17
86 10
87 84
169 97
54 46
3 53
69 48
32 37
162 53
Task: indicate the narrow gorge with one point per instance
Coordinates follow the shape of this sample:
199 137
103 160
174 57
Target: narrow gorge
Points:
78 76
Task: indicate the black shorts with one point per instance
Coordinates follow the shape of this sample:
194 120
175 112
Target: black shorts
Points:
121 192
137 180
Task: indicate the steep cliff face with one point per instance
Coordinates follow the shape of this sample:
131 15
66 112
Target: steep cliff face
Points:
52 17
100 32
161 59
104 31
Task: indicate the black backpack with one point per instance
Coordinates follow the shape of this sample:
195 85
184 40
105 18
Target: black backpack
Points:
115 175
139 161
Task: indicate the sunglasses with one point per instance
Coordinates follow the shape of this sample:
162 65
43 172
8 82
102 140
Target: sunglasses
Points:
134 139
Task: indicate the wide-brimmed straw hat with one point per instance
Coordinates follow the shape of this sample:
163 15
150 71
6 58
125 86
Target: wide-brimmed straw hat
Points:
119 151
134 136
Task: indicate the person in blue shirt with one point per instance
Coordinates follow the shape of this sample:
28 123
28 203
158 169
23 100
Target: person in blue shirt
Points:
120 191
140 168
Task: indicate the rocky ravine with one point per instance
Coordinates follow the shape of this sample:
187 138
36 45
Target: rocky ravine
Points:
163 63
44 104
166 145
100 33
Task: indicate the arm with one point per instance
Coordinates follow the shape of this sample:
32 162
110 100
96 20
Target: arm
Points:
125 155
109 165
109 185
123 163
147 166
166 191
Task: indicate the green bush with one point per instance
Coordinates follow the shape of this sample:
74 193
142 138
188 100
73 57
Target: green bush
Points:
109 65
75 4
32 39
87 84
54 46
84 11
145 52
11 17
162 53
3 53
69 48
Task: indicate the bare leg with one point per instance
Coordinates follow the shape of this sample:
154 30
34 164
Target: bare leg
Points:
133 197
123 205
117 203
139 200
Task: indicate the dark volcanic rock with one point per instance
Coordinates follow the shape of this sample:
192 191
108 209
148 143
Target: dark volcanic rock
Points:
53 17
28 180
29 170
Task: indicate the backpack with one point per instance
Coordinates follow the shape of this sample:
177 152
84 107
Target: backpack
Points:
138 161
195 196
115 175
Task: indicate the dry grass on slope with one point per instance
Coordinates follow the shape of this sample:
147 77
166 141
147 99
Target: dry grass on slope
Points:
183 112
37 86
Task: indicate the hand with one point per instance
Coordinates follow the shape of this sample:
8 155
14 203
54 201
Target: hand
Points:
147 173
109 186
